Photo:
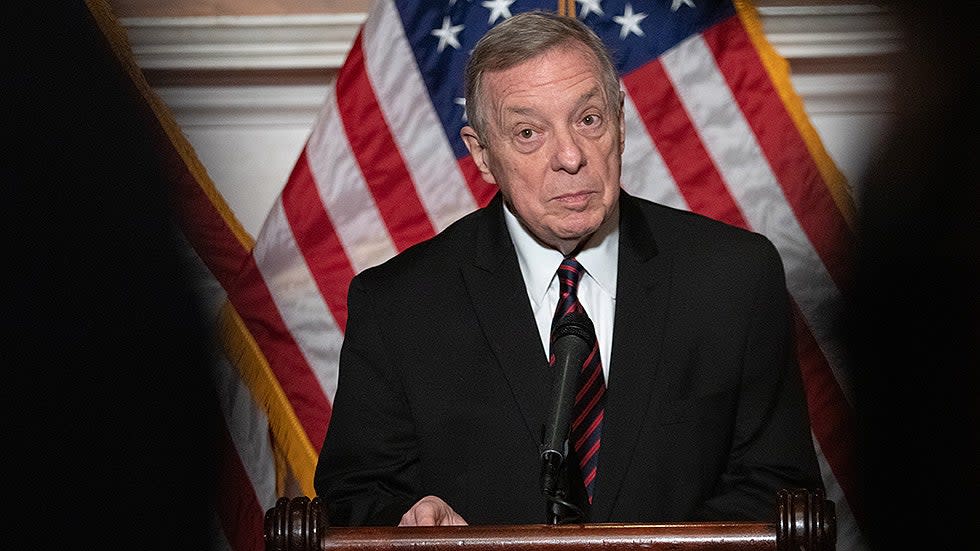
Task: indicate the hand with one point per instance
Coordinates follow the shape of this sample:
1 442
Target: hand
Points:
431 511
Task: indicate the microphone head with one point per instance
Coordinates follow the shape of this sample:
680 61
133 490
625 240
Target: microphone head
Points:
574 323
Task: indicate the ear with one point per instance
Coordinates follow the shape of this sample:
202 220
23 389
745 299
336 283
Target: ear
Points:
478 152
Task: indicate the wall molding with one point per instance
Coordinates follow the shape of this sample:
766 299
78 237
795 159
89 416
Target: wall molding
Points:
236 43
841 32
321 41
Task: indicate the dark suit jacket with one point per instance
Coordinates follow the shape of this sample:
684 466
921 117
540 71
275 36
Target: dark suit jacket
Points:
444 384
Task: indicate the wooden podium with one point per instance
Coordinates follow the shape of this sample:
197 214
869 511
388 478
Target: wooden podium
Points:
806 522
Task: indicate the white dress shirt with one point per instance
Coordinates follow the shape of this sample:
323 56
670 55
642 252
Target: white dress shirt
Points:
596 288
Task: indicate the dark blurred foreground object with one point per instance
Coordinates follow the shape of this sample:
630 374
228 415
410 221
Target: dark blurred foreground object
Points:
108 415
913 324
805 522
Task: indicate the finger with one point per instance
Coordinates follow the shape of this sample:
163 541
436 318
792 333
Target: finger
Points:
423 513
454 519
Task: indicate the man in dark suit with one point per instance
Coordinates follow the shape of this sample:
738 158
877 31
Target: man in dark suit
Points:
445 380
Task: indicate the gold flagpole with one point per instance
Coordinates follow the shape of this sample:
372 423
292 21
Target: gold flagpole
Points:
566 7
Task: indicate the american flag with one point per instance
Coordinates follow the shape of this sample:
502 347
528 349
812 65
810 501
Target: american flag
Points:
713 126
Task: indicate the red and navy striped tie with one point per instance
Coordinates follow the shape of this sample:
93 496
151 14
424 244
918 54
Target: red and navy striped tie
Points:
586 431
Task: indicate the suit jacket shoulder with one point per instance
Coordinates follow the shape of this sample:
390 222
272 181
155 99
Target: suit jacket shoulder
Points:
465 241
651 228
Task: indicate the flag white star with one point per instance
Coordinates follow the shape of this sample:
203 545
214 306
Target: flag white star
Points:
675 4
589 6
498 8
461 102
630 22
447 34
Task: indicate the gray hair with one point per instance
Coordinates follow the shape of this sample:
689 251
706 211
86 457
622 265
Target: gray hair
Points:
524 37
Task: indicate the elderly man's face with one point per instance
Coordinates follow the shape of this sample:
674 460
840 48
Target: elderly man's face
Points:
554 145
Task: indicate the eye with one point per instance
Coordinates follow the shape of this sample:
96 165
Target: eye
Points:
527 138
590 120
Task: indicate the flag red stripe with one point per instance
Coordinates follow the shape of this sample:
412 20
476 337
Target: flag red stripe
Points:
258 311
239 510
378 155
317 239
777 135
831 416
676 137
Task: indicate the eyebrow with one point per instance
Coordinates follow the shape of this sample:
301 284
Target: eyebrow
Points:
589 94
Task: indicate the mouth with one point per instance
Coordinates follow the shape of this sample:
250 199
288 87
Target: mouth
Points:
575 199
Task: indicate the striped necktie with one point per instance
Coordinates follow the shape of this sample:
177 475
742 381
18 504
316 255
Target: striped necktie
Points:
586 431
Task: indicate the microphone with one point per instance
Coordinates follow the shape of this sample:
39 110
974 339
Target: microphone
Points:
573 339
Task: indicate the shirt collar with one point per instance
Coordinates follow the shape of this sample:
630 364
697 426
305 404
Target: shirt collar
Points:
538 263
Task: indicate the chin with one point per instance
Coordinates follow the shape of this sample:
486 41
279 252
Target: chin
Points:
577 232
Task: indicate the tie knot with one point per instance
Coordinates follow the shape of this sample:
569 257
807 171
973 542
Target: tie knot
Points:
569 273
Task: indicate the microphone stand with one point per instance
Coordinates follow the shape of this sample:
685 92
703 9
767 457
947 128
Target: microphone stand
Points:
572 340
553 484
551 467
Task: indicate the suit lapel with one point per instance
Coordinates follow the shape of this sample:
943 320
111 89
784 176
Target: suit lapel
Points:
500 299
641 300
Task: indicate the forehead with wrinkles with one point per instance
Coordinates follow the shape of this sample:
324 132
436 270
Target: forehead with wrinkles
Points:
557 77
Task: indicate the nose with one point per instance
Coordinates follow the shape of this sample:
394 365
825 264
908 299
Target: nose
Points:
568 155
